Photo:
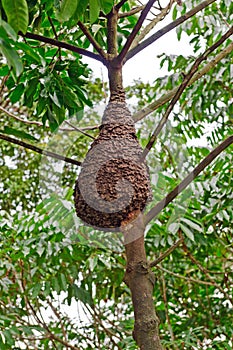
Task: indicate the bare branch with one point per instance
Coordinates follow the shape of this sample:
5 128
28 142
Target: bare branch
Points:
79 130
92 40
168 252
135 30
192 175
167 29
39 150
131 12
181 88
165 98
62 44
57 314
205 271
189 279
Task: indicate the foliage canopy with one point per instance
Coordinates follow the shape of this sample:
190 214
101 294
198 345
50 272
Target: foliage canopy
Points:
50 100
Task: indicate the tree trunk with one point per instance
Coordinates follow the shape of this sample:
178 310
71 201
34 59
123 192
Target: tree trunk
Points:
140 279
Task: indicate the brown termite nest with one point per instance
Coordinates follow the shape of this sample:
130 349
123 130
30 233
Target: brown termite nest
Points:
113 182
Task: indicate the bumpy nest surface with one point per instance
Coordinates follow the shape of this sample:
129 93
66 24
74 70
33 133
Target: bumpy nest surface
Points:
113 181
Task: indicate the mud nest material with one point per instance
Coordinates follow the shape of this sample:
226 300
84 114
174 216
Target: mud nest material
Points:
113 182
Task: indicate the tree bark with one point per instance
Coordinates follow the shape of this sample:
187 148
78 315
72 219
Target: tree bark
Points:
140 279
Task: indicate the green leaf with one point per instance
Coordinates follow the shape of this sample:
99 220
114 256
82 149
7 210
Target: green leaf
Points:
12 57
18 133
173 228
63 282
8 336
17 93
187 232
82 295
192 224
9 30
28 50
17 14
81 7
55 284
174 13
94 10
67 10
36 290
106 5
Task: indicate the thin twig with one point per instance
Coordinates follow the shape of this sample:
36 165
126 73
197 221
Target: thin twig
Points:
189 279
167 97
30 122
205 271
181 88
164 294
183 184
168 252
79 130
167 29
56 313
131 12
39 150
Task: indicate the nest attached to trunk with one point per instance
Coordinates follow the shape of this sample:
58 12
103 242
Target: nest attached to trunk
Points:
114 181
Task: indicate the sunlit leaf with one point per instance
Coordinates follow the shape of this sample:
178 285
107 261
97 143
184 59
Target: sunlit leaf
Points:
17 14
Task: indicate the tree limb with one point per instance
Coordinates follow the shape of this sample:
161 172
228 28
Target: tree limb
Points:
181 88
167 29
192 175
39 150
135 30
165 98
92 40
62 44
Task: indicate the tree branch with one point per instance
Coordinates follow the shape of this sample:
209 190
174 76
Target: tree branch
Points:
192 175
165 98
79 130
120 4
168 252
167 29
152 24
189 279
131 12
62 44
39 150
205 271
92 40
135 30
181 88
